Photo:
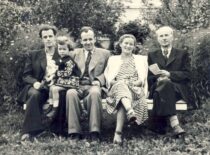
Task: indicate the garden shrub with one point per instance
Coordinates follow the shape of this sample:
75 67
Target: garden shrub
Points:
10 20
201 68
12 60
140 31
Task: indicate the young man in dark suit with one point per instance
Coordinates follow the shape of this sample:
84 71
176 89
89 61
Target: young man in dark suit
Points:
35 92
91 62
172 81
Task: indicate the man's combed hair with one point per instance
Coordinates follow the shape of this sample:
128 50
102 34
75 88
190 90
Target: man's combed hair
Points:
46 27
164 28
86 29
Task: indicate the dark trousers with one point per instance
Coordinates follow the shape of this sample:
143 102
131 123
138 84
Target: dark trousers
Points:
164 96
58 126
33 115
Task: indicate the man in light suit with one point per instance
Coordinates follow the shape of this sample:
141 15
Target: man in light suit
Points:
92 62
35 91
172 81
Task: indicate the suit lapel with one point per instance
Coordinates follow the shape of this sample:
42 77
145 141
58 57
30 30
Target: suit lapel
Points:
80 59
160 58
94 60
43 60
56 56
172 57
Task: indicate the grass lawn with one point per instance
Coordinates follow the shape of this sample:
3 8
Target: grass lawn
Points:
137 140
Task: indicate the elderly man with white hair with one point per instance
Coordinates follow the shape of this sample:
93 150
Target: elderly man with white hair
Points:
171 82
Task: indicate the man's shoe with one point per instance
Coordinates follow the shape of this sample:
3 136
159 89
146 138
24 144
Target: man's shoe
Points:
158 130
75 136
177 130
95 137
52 113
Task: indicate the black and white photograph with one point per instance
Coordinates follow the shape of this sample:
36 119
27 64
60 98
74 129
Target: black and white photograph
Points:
105 77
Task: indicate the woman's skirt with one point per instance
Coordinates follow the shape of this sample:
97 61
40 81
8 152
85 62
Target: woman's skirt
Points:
135 94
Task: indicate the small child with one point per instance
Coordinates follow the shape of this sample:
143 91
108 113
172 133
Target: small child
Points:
67 75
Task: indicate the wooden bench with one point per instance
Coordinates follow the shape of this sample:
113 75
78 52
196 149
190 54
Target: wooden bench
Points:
181 105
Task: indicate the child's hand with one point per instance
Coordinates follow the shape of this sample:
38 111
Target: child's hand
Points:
96 83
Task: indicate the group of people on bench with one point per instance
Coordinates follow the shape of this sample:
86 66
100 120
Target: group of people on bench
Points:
82 72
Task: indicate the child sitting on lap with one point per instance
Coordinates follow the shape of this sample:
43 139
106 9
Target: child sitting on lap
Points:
67 75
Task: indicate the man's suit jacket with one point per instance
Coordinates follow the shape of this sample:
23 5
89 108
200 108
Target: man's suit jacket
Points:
34 71
97 63
178 64
115 62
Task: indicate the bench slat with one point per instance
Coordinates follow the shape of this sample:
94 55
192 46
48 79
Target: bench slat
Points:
181 105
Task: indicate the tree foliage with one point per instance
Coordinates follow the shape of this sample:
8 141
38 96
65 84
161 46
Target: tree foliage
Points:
136 28
184 14
99 14
201 67
9 18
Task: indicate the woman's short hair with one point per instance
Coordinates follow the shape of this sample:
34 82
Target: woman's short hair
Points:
46 27
64 40
117 46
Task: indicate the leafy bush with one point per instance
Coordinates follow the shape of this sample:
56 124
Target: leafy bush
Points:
12 60
9 19
136 28
201 68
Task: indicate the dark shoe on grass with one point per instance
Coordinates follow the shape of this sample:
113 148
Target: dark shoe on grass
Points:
178 131
74 138
95 137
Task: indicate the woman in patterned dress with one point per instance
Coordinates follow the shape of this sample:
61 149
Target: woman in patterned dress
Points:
126 80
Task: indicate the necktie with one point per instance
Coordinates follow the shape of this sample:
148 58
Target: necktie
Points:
88 59
87 64
165 53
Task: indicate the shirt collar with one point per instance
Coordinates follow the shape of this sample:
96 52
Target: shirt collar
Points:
49 53
89 51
